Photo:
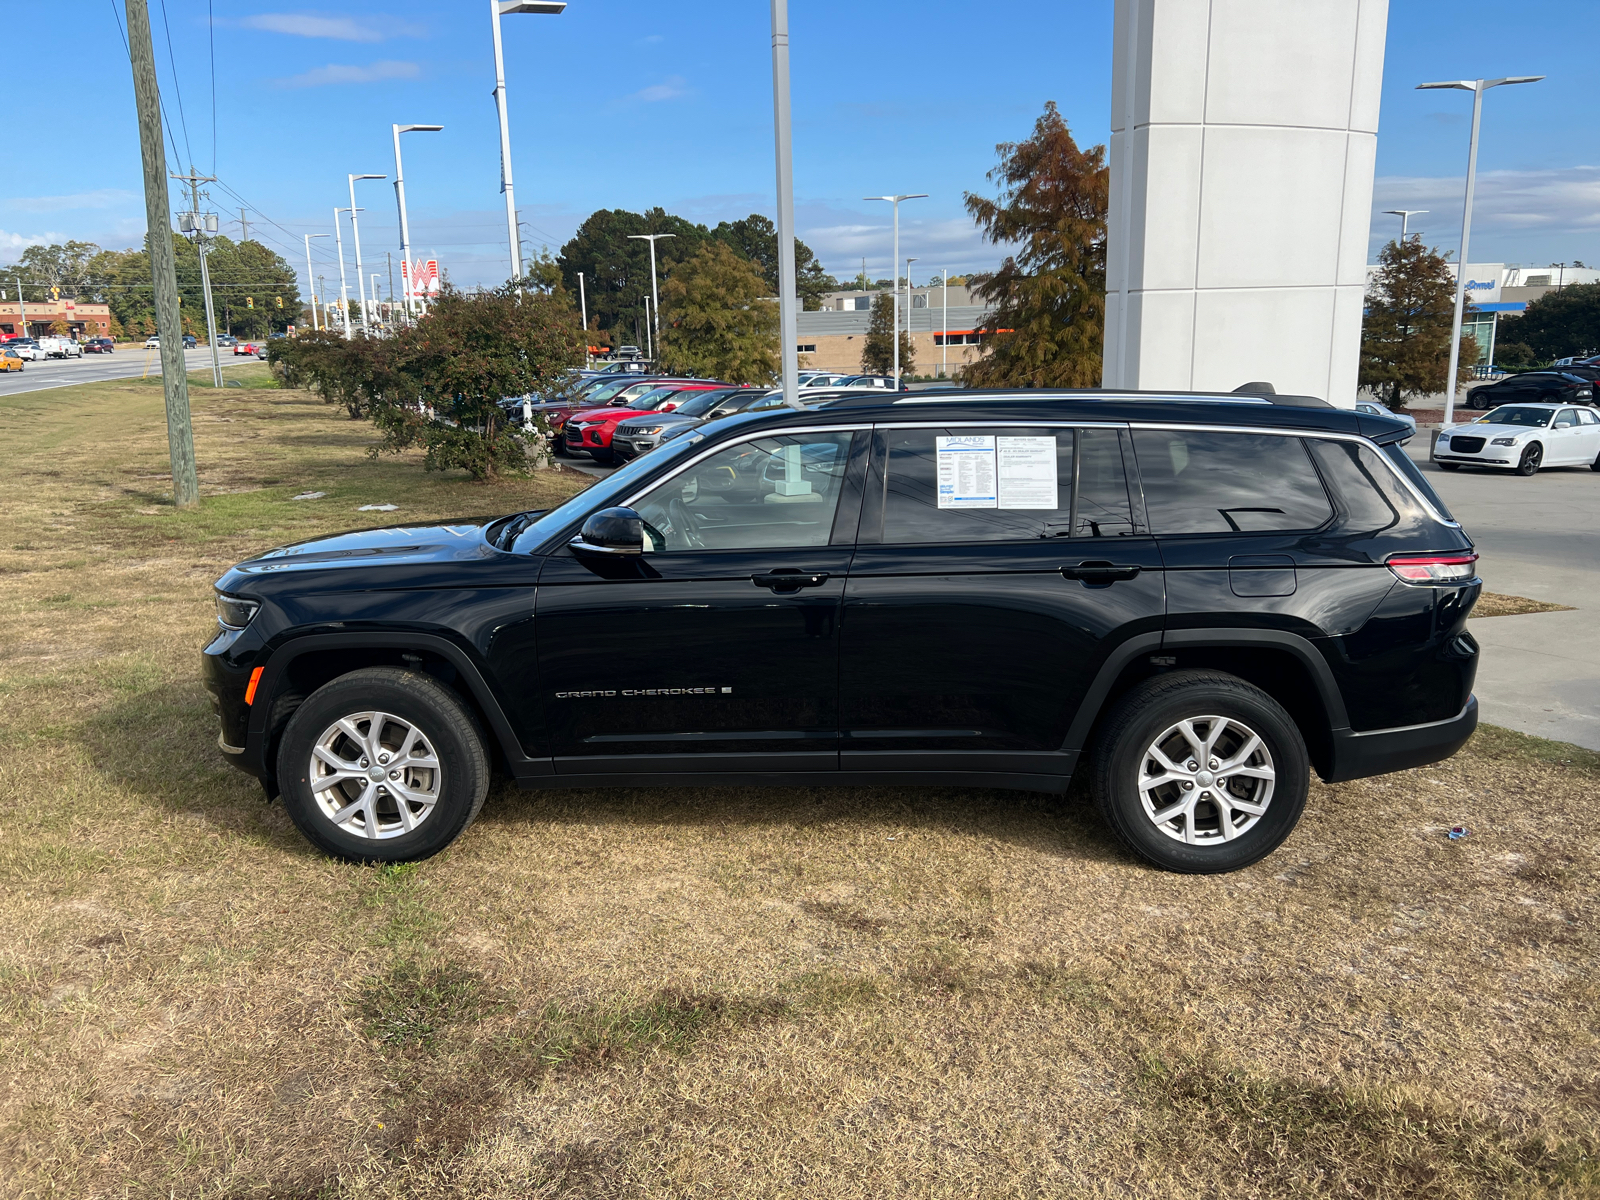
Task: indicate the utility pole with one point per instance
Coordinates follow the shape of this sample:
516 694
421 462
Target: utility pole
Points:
22 309
163 264
244 224
200 224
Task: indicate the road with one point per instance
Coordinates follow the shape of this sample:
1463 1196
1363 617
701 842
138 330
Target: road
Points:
1539 673
92 368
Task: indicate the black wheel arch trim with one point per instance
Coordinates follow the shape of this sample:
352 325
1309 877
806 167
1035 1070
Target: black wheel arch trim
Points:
1118 660
470 673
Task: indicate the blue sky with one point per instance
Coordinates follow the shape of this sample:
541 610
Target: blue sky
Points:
621 104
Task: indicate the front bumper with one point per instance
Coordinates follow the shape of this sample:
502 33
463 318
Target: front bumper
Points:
1380 751
631 445
1476 460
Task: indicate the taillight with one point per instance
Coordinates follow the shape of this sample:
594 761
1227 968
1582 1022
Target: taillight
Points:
1434 568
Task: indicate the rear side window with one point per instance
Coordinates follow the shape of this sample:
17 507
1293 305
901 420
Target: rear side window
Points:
1203 481
1003 483
1369 497
1402 461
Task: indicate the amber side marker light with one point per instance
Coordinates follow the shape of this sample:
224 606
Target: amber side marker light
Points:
1434 568
255 680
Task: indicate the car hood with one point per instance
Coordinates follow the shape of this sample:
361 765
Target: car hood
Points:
1476 428
409 545
588 416
669 417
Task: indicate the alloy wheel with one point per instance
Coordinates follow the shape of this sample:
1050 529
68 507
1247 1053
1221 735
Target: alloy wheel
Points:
1206 780
1531 458
375 775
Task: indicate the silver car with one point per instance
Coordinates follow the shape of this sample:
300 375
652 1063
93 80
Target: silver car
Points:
1378 410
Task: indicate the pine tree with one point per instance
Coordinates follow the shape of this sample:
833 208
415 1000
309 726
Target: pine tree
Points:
1048 323
877 352
1405 335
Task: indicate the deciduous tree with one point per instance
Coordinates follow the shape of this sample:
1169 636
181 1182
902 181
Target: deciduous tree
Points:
877 350
1556 325
718 318
1405 335
1048 323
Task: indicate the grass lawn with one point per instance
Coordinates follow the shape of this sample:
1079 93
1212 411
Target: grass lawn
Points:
919 992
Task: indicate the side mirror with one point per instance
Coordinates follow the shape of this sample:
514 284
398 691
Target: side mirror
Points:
611 531
1563 424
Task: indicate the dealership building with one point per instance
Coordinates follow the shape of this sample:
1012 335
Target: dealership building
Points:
86 320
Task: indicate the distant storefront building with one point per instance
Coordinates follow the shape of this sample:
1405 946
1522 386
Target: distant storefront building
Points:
86 320
943 339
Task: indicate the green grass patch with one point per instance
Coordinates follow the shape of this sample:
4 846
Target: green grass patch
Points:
1494 742
621 1030
413 1006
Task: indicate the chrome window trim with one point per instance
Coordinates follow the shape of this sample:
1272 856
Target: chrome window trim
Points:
752 436
1359 439
1003 423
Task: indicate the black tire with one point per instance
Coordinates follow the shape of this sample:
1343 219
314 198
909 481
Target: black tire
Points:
604 457
1595 465
1528 464
1448 466
445 725
1157 705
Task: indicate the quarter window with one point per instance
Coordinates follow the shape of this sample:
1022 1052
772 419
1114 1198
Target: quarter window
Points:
1213 482
771 493
1017 483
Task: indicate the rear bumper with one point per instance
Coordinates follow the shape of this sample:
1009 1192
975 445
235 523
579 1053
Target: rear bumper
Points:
1379 751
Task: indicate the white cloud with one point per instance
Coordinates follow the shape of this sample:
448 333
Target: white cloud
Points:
337 73
343 29
99 198
1512 211
669 88
12 244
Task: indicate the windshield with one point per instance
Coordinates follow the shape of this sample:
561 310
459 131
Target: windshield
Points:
702 404
605 391
651 398
1534 418
606 492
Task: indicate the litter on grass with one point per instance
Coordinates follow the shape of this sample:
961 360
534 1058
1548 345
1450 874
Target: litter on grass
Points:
377 508
310 496
1457 832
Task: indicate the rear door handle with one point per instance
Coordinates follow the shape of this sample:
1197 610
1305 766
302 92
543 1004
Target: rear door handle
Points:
787 579
1100 572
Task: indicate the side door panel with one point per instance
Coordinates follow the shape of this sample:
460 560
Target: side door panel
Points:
974 652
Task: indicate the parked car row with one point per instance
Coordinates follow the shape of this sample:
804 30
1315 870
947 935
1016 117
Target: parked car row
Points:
1571 385
1523 438
49 346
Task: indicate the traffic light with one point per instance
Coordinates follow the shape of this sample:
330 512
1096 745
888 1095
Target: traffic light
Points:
249 301
279 300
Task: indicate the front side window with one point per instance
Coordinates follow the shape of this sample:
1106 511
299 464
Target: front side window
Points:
1003 483
1203 481
770 493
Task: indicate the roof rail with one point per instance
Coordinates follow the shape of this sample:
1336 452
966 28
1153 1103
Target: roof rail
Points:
1078 396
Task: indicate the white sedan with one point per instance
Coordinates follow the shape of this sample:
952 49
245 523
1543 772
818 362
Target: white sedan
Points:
1523 438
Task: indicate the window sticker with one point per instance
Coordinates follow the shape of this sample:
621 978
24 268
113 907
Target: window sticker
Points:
966 472
1027 472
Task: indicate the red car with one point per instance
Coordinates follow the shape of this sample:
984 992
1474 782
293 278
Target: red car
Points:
591 430
612 392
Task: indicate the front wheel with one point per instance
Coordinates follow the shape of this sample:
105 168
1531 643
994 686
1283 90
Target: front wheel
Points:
382 765
1448 466
1200 772
1528 464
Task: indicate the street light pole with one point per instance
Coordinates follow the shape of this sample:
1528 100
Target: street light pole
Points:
944 357
1405 215
496 9
583 309
400 200
783 146
344 290
1477 87
355 232
894 265
311 283
655 295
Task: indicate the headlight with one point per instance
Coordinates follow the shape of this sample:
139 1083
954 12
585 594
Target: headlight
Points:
652 429
1510 441
235 612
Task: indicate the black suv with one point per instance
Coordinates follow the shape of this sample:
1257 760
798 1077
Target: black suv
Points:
1195 599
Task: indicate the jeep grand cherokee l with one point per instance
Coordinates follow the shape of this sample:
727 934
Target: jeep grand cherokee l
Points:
1195 600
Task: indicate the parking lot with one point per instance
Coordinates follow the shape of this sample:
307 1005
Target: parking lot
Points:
1539 538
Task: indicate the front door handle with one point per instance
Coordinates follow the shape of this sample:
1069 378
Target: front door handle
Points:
1099 572
787 579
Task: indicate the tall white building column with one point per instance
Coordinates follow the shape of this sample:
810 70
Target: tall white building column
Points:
1243 136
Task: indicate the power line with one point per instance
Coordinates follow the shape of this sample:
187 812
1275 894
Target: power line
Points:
177 90
117 16
211 35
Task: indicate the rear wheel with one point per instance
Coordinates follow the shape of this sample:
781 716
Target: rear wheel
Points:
1531 458
1200 772
382 765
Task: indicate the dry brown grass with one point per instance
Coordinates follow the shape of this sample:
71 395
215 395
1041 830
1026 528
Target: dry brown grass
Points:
1495 604
824 992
